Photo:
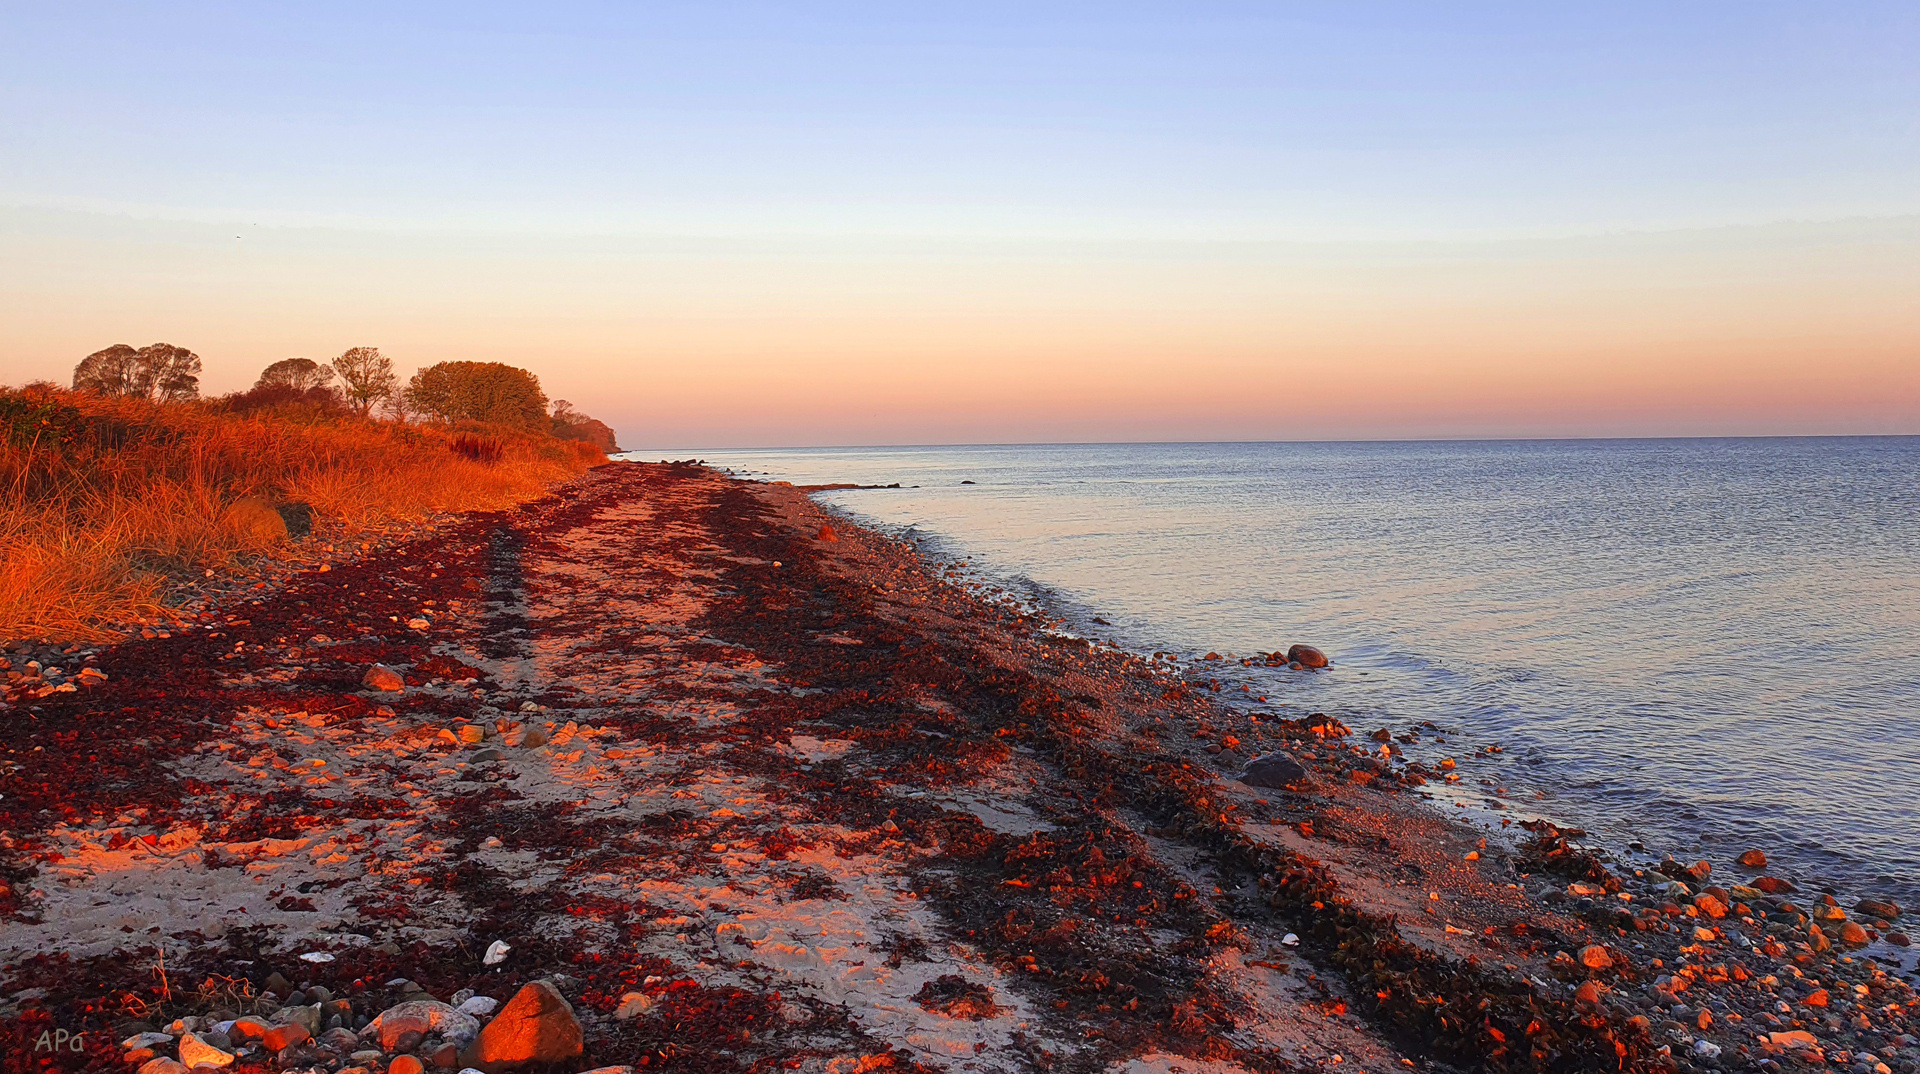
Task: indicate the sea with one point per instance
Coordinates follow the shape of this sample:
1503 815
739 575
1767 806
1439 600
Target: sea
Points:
1686 646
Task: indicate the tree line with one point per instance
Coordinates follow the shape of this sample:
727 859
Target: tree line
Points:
491 392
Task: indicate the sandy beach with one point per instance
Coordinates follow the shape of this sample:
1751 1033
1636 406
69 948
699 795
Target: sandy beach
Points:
756 789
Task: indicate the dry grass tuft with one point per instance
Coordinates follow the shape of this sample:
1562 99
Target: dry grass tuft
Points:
103 502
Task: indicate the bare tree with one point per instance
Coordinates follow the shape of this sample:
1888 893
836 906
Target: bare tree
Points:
300 374
160 371
367 375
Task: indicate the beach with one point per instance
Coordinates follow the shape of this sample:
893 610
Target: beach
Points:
755 788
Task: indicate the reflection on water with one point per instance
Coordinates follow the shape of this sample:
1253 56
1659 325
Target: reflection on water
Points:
1708 644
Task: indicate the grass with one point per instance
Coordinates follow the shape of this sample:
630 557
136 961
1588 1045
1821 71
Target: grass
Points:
106 503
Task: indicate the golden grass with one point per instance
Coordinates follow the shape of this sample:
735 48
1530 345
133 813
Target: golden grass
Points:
104 502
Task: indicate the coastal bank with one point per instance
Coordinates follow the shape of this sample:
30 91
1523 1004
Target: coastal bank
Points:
674 771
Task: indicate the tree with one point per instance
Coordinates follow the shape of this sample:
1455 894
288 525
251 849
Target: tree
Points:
161 372
367 375
300 374
480 391
570 424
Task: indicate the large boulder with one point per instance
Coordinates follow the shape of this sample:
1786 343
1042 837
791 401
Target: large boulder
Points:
1277 770
421 1016
536 1026
1306 656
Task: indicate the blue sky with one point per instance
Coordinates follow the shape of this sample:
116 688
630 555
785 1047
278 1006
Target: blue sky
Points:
1319 120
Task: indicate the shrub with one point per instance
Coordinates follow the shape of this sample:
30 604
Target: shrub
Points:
103 500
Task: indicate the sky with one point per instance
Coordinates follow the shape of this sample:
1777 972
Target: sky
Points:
735 225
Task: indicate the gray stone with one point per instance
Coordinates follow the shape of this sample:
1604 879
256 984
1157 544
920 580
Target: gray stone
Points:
1277 770
423 1016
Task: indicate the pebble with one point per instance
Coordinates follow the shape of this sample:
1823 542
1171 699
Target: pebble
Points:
1595 957
406 1064
632 1005
162 1065
1753 859
195 1052
382 677
478 1006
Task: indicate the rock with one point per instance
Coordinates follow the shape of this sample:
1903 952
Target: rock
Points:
536 1026
1277 770
285 1036
382 677
406 1064
1706 1049
1699 871
1306 656
307 1016
827 534
1595 957
632 1005
422 1016
445 1057
243 1030
609 1070
1852 935
146 1039
277 984
1899 939
1881 908
533 739
1754 859
1710 906
1589 994
1773 885
162 1065
256 522
470 734
488 754
195 1052
340 1040
1817 939
1798 1039
478 1006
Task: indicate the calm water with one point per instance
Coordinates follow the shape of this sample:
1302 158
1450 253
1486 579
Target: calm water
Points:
1705 644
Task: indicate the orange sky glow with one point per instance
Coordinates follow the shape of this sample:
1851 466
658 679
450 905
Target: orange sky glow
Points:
712 342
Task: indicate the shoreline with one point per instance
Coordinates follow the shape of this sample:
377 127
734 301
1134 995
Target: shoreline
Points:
773 780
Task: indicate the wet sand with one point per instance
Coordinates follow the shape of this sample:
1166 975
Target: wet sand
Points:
818 807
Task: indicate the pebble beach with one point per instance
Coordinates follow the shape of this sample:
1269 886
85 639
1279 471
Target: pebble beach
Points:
674 770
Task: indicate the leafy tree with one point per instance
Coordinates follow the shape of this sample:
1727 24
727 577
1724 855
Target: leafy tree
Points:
300 374
480 391
160 371
367 376
570 424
